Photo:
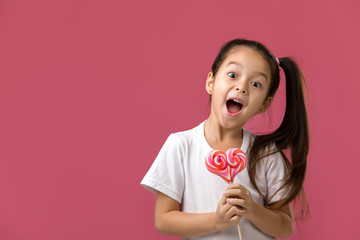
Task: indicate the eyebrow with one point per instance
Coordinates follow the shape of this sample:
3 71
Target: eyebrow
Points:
239 64
235 63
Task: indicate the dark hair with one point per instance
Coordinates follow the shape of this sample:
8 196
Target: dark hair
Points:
293 132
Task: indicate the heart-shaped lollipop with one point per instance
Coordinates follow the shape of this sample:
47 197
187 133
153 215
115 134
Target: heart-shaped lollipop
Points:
226 166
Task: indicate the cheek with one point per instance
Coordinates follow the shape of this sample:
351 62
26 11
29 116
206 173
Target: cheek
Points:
217 100
221 88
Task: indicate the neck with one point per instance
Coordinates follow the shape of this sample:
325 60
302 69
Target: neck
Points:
216 134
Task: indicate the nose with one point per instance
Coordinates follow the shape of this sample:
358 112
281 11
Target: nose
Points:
240 88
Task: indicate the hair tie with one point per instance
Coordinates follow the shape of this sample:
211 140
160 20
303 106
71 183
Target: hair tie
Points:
280 68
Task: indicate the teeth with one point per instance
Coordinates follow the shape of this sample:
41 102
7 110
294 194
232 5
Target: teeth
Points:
236 101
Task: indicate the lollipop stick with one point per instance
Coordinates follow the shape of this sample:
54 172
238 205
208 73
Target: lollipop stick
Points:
239 231
238 226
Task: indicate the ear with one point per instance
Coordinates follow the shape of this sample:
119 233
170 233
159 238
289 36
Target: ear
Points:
265 105
210 83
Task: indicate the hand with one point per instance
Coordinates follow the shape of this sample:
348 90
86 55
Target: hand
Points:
238 196
226 215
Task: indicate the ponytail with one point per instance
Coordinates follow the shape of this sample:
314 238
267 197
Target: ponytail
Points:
292 134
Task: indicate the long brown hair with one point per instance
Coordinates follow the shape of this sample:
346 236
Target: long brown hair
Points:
293 132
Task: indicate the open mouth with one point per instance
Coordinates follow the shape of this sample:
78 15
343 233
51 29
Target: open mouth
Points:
233 105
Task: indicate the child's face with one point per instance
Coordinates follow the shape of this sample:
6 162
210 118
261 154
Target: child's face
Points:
239 89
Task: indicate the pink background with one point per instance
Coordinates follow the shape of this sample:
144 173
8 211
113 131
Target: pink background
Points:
90 90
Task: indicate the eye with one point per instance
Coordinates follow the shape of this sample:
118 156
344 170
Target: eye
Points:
256 84
232 75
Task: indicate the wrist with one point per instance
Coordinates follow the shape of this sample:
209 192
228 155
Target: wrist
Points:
217 224
255 212
214 222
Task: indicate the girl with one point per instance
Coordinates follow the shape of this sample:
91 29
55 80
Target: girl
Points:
191 201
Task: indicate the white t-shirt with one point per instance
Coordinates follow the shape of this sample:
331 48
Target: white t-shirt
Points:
179 171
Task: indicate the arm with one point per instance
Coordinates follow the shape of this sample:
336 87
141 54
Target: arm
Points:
275 221
170 221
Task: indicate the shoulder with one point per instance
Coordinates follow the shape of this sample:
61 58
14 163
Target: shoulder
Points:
248 135
248 139
187 137
274 161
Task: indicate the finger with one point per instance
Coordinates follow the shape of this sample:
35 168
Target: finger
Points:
223 200
226 208
237 193
238 202
235 186
236 218
233 211
223 206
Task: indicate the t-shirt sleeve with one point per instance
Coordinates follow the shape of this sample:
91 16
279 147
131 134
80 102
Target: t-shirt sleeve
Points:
276 176
166 174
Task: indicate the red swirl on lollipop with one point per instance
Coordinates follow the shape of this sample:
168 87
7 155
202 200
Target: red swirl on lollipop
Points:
228 165
236 160
216 163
